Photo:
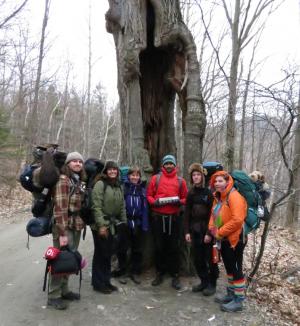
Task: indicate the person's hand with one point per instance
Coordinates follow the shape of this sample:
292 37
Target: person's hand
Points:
207 238
63 240
156 203
218 237
103 232
188 238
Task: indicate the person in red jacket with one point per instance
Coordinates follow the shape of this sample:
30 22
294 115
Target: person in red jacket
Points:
166 193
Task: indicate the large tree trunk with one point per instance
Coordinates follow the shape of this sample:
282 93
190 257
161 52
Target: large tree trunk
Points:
156 58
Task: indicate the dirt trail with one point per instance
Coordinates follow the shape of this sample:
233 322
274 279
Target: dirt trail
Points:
22 301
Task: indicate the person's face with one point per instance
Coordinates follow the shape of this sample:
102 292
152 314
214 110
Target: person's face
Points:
220 183
197 178
112 173
169 167
75 165
134 177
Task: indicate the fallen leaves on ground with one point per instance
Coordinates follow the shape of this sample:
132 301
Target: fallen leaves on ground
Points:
276 286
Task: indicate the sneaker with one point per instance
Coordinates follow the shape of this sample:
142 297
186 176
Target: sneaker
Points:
209 290
71 296
103 289
233 306
57 303
112 287
176 283
118 272
158 280
199 287
225 298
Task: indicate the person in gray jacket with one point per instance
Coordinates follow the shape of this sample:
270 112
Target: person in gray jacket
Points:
110 221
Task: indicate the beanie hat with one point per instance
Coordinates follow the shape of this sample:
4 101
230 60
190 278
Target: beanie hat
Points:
168 159
110 165
73 156
199 168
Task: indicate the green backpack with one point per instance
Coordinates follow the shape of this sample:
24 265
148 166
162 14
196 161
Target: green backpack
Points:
246 187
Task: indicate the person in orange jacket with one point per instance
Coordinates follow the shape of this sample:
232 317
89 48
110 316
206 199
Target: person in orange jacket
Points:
226 226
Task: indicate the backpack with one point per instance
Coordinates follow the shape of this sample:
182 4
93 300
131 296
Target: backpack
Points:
26 178
123 173
211 168
62 262
246 187
93 168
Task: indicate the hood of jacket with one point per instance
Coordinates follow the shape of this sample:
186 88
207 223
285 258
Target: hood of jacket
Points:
229 186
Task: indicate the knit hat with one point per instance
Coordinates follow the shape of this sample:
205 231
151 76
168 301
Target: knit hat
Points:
199 168
110 165
168 159
73 156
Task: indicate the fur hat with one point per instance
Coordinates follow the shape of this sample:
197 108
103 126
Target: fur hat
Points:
257 176
110 165
73 156
199 168
168 159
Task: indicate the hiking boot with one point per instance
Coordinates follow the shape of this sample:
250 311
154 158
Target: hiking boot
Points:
134 279
199 287
158 280
103 289
209 290
225 298
236 304
71 296
57 303
112 287
118 272
176 283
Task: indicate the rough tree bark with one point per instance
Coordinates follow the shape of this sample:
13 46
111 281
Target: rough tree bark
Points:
156 57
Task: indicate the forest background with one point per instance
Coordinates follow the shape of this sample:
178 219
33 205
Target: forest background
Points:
58 83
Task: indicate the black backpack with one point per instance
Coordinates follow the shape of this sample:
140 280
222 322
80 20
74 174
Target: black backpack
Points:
93 168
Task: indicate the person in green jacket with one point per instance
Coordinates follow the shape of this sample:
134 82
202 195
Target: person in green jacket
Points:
110 221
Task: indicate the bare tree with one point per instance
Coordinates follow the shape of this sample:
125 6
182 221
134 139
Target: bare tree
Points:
18 8
33 124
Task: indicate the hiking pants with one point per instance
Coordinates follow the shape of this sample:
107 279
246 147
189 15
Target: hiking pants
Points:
233 262
58 285
166 234
101 266
206 270
131 240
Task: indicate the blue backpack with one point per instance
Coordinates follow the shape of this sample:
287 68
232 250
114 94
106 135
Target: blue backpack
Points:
26 178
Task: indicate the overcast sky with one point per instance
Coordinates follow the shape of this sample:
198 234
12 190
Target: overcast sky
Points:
68 29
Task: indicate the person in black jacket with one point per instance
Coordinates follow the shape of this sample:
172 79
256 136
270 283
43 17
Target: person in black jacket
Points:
196 217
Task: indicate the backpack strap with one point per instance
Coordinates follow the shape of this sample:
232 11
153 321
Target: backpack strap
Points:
228 194
45 277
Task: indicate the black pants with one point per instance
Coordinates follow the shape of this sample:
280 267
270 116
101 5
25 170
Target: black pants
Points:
166 233
101 268
131 241
233 258
206 270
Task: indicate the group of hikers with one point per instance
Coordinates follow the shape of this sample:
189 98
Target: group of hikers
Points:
213 218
